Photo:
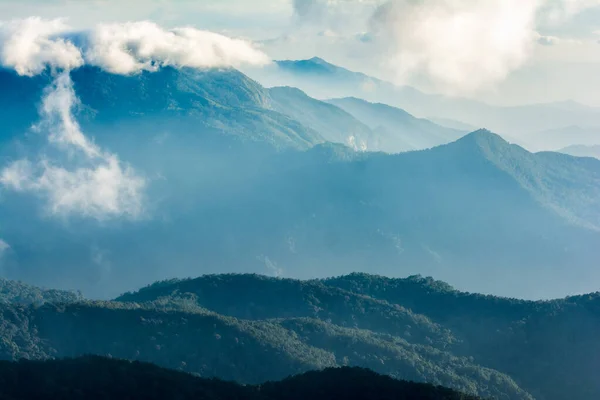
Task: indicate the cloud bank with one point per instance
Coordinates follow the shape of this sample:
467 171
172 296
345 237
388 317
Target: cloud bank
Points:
456 46
133 47
31 45
95 183
462 45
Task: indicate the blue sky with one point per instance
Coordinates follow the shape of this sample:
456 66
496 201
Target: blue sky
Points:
549 49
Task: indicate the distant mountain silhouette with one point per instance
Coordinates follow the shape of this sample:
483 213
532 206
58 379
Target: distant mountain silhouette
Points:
558 138
397 129
334 124
582 151
322 79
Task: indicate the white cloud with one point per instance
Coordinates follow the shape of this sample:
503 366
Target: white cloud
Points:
95 183
58 119
105 190
3 247
98 187
31 45
464 45
133 47
271 266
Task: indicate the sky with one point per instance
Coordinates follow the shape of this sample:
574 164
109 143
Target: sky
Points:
504 52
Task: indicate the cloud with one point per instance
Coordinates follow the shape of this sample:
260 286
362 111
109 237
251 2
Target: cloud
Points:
102 191
98 186
58 120
548 40
271 266
557 11
3 247
463 45
133 47
90 181
31 45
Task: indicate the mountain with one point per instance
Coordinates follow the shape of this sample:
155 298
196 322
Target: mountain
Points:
418 329
333 123
103 378
175 331
12 292
558 138
222 102
532 342
327 211
397 130
582 151
324 80
232 186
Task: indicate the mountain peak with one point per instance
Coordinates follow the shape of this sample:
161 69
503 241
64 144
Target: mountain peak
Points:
319 60
484 136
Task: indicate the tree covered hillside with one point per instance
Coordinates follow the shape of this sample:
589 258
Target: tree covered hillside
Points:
102 378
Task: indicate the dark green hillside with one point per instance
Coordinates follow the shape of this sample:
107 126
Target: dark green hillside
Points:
200 342
254 300
548 347
528 341
103 378
176 333
12 292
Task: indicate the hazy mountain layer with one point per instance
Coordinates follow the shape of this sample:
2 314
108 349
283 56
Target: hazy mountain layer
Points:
582 151
397 130
323 80
229 191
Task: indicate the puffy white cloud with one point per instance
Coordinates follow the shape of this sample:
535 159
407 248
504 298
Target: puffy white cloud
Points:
97 186
464 45
132 47
103 190
31 45
91 181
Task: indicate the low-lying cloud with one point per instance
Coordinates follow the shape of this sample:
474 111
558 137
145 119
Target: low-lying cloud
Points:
97 185
133 47
90 181
31 45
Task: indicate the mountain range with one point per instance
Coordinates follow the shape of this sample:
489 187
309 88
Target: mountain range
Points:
324 80
243 179
582 151
418 329
397 130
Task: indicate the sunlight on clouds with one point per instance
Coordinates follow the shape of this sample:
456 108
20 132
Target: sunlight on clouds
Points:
132 47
